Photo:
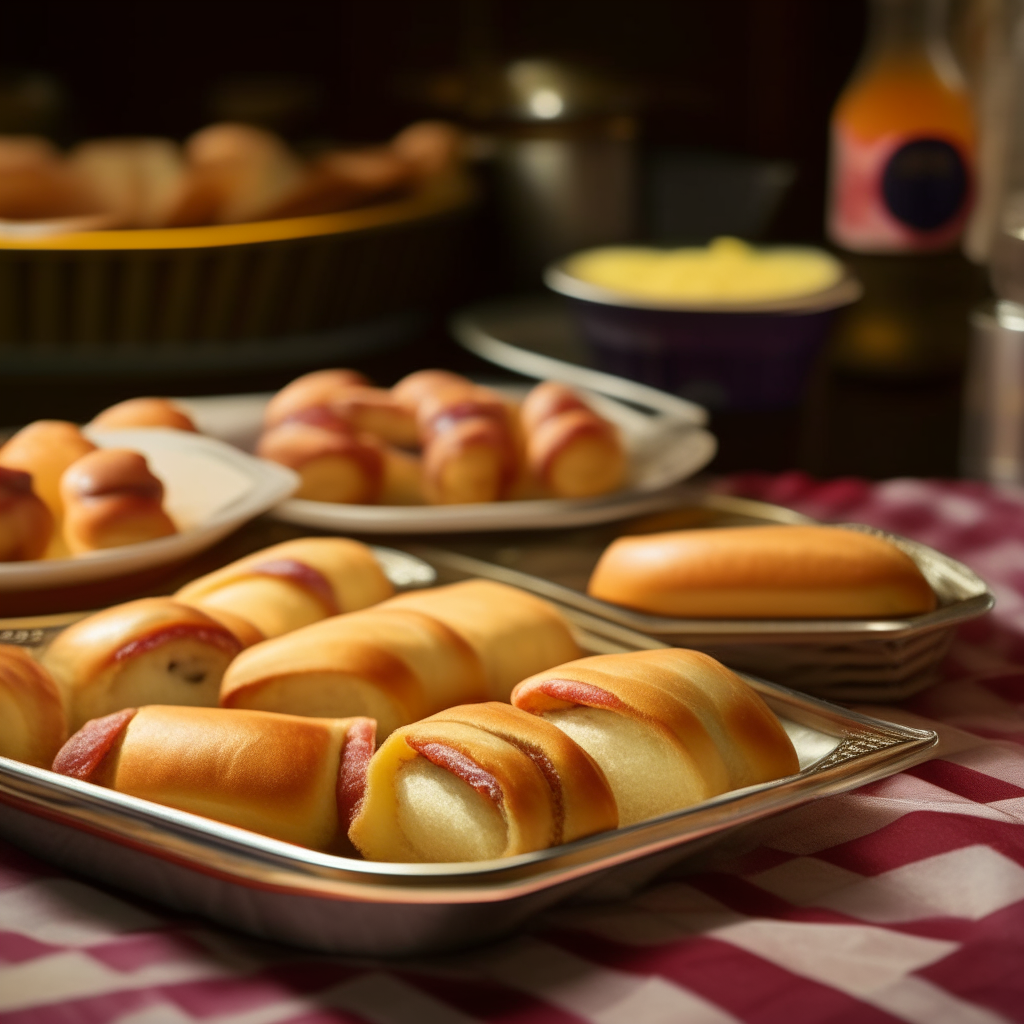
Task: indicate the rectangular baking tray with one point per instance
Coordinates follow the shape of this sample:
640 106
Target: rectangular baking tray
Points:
840 659
287 893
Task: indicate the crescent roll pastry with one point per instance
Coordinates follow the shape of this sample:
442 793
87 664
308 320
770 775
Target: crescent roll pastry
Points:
375 411
45 449
292 584
150 651
144 412
296 779
414 388
111 498
569 448
513 633
391 664
476 783
333 464
26 524
310 391
669 728
754 572
32 721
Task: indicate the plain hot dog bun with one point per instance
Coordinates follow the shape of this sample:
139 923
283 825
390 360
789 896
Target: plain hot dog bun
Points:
762 572
296 779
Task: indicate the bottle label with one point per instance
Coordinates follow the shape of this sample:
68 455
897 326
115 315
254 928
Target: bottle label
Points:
897 193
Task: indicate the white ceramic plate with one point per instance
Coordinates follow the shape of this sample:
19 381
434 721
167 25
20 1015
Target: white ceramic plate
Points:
211 489
663 449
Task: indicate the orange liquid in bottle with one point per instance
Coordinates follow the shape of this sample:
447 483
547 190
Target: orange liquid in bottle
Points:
902 148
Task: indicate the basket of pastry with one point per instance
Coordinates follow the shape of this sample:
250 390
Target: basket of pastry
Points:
288 746
127 244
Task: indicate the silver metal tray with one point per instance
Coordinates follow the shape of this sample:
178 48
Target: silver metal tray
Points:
841 659
287 893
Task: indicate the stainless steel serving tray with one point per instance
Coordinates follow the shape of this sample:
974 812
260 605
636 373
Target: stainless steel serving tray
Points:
841 659
287 893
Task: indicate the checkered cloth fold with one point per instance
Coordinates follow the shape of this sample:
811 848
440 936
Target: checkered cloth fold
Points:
903 901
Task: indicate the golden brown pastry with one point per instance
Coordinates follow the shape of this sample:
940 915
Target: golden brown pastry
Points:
26 524
45 449
151 651
394 665
295 779
36 184
476 783
311 391
111 498
469 444
414 388
244 172
513 633
139 181
334 464
403 478
144 412
431 147
292 584
669 728
761 572
407 658
32 721
570 449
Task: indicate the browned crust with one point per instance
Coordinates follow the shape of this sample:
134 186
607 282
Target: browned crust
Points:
547 399
310 390
145 412
763 571
32 689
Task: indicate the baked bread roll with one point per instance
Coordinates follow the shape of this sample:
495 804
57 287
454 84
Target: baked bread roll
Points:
335 465
45 449
26 524
403 478
412 389
430 147
669 728
139 181
243 171
111 498
150 651
394 665
36 184
295 779
570 449
310 391
513 633
761 572
32 721
144 412
476 783
293 584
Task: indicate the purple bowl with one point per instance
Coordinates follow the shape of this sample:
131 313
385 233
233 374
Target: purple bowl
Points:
760 358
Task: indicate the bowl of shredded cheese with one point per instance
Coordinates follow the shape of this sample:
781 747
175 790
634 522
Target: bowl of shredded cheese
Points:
729 325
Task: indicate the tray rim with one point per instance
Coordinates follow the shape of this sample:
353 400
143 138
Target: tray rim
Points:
259 862
777 631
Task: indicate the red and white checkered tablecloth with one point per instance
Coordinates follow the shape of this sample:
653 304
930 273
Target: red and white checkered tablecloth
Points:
903 901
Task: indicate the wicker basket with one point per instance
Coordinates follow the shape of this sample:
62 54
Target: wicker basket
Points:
140 293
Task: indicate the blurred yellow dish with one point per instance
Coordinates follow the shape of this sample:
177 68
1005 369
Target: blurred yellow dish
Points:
727 270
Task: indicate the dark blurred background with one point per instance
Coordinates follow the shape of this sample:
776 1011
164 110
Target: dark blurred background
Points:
713 87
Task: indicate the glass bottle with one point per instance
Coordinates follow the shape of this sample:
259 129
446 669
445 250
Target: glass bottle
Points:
902 137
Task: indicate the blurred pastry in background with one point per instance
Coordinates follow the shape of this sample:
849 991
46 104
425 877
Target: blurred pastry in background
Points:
26 524
139 182
333 464
36 183
570 449
45 449
144 412
310 391
111 498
